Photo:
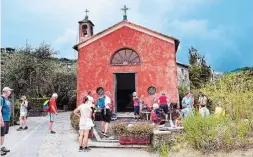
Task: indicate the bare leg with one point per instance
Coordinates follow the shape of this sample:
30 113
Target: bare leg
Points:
103 126
81 137
2 141
106 127
50 126
85 139
25 121
21 121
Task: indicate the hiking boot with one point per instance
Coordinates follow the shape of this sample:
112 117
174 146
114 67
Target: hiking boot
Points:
25 128
3 153
20 129
52 132
3 149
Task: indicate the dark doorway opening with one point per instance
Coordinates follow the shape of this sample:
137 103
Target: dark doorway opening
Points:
124 88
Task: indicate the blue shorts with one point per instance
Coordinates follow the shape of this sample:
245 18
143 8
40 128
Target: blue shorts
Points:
51 117
136 110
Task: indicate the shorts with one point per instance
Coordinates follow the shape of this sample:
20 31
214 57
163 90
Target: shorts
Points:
106 117
85 124
23 114
136 110
51 117
165 108
5 129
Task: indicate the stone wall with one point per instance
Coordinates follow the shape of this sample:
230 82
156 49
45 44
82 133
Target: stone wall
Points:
168 137
183 75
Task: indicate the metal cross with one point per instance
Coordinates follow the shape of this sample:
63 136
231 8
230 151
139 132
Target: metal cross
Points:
125 9
86 11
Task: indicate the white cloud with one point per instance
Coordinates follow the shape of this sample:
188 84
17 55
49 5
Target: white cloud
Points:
153 14
196 28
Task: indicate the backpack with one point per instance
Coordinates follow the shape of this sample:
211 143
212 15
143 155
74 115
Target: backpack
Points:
101 102
29 106
46 106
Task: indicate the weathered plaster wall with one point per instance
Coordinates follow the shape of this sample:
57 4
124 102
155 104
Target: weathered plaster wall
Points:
183 76
158 64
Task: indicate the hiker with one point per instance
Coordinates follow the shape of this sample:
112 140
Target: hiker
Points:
163 102
186 106
52 112
105 104
219 111
137 104
203 111
202 100
23 114
84 112
157 115
5 116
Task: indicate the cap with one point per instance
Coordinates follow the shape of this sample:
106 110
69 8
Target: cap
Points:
134 94
5 89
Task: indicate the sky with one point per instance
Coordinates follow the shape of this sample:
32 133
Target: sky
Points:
221 30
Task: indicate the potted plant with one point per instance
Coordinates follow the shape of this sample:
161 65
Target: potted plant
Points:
138 133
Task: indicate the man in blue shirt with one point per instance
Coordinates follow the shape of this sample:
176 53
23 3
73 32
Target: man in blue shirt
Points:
5 116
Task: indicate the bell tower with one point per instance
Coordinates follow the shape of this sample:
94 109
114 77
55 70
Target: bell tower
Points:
85 28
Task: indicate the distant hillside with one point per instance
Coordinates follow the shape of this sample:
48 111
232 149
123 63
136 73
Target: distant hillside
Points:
243 69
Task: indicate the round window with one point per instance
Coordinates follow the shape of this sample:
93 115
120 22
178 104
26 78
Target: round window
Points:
151 90
100 91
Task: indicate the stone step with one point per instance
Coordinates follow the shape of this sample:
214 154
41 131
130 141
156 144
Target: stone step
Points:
113 145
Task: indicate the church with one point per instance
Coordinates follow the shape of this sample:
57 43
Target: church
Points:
125 58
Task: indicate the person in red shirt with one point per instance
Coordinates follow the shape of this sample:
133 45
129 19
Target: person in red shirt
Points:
163 102
52 111
137 103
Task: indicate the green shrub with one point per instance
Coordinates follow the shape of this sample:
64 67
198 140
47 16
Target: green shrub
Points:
74 120
135 130
215 133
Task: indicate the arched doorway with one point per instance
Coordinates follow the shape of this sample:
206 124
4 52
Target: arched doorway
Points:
124 82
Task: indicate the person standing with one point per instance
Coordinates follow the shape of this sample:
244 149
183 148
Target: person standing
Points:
137 103
202 100
5 116
23 114
163 103
84 112
52 111
186 103
106 114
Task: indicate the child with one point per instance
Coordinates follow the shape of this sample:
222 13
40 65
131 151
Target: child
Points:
84 112
137 103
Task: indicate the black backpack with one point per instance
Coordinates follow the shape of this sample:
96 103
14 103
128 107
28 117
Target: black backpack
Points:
29 106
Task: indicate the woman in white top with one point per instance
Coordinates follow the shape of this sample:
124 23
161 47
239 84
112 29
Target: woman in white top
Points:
23 114
84 112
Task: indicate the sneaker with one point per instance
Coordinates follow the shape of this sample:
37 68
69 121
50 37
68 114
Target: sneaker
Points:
20 129
3 153
105 135
25 128
86 149
52 132
3 149
80 149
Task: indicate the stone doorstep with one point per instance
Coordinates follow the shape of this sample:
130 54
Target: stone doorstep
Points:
113 145
102 140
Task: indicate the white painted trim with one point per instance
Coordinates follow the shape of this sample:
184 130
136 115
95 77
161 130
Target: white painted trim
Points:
130 26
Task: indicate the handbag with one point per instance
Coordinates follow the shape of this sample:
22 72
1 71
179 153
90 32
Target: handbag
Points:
91 134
